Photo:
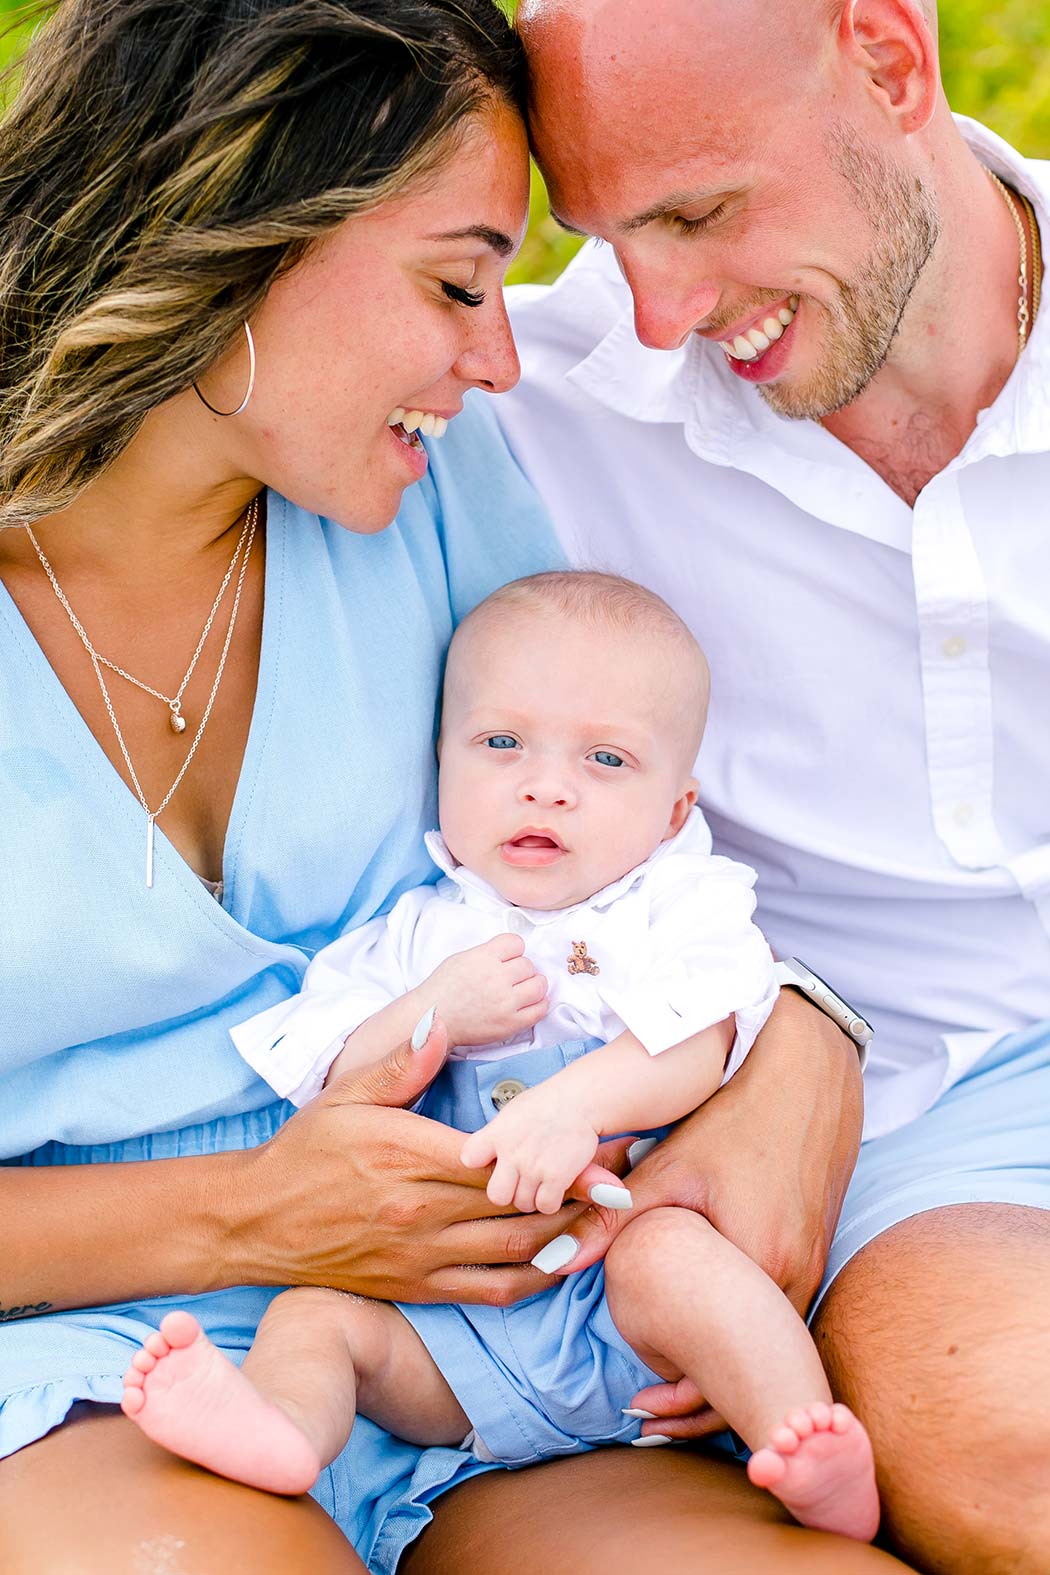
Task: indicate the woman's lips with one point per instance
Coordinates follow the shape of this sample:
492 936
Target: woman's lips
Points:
531 851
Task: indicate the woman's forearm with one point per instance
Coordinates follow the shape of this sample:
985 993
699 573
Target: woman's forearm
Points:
84 1235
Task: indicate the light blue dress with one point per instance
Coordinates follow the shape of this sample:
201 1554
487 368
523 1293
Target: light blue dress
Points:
115 1000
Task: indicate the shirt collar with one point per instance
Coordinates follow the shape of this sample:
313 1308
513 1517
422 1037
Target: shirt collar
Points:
693 838
728 423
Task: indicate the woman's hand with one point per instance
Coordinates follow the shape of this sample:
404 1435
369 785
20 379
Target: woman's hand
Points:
359 1195
767 1160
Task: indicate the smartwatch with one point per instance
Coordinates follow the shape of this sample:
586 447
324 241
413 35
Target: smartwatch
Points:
796 976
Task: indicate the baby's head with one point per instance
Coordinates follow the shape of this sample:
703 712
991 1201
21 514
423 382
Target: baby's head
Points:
574 706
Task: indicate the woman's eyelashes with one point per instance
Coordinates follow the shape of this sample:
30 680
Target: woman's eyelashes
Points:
459 293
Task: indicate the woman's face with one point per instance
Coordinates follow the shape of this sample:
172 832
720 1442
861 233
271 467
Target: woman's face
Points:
398 311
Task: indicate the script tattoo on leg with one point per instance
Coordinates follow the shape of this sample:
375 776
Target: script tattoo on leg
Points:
27 1310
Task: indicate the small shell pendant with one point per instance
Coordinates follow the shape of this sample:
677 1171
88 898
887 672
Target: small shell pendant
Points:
178 722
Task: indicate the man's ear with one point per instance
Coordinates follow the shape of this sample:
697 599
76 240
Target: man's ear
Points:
682 805
893 42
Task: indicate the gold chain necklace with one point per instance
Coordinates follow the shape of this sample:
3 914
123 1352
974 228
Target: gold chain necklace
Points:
247 537
176 720
1025 315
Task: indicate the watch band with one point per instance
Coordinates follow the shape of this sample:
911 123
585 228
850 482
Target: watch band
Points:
794 974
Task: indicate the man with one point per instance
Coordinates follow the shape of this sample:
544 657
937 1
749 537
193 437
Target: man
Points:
803 391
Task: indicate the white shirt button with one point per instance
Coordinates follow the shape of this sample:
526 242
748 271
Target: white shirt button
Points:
506 1090
963 814
516 922
954 646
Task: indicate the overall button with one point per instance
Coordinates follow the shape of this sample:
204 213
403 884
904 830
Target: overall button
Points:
505 1091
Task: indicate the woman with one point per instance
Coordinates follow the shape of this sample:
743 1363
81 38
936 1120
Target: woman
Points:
249 245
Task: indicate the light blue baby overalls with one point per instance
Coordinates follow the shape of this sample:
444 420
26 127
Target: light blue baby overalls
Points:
115 1000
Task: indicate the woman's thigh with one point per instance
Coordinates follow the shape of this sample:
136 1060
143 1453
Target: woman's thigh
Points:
95 1497
674 1511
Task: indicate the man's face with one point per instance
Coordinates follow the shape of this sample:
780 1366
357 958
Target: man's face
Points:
752 189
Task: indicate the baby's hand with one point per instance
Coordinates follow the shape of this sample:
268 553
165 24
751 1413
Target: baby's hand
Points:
489 993
540 1144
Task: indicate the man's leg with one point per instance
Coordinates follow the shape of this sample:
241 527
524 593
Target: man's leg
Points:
938 1335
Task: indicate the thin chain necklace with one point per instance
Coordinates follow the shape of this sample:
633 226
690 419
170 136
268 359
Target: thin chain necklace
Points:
176 720
152 816
1025 316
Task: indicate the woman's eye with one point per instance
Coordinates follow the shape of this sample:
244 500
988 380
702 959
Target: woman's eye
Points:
456 292
502 741
605 757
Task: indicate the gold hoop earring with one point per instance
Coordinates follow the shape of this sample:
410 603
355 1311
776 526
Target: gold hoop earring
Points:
251 381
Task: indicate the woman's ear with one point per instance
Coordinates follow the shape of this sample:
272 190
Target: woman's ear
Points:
682 805
894 44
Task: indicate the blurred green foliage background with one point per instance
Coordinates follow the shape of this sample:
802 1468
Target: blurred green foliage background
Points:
995 57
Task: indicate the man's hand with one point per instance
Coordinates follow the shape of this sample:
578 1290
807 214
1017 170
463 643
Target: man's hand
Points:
767 1160
486 994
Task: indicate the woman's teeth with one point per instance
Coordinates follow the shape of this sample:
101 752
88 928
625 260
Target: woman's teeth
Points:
418 420
757 340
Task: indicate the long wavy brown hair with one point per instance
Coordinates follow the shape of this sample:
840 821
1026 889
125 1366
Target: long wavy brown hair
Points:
163 161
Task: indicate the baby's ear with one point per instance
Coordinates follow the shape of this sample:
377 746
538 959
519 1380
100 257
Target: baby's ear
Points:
682 806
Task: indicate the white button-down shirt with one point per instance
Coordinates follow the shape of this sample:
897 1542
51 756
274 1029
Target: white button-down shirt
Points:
879 742
673 941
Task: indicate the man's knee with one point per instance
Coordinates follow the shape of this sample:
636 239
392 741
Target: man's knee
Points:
936 1336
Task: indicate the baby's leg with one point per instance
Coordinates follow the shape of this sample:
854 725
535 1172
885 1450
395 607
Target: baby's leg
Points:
690 1303
287 1412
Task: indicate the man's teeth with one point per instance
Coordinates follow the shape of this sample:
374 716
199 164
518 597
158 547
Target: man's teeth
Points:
418 420
749 346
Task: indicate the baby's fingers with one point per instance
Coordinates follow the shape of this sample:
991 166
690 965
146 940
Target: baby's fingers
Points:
550 1195
595 1184
530 992
478 1150
503 1183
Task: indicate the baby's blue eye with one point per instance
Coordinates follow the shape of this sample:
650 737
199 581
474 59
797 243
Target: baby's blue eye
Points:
605 757
502 741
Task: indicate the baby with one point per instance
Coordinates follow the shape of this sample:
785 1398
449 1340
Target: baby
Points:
597 972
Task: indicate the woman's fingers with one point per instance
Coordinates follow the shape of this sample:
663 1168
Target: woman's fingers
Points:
672 1399
491 1287
403 1073
510 1238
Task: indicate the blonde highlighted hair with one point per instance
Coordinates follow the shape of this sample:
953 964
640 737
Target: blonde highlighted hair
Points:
165 160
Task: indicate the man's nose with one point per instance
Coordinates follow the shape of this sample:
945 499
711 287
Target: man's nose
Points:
667 303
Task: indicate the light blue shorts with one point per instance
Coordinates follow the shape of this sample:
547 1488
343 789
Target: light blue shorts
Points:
551 1375
986 1141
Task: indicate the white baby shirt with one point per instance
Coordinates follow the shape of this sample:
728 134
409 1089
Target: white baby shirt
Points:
672 940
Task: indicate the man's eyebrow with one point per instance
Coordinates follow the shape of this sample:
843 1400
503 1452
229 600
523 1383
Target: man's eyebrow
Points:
501 244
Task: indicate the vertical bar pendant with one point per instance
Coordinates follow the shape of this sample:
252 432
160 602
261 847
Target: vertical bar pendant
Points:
149 850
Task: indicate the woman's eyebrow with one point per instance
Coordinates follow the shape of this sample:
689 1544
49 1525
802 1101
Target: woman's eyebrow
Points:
501 244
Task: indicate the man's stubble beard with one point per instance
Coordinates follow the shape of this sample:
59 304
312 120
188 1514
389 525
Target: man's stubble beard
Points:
864 323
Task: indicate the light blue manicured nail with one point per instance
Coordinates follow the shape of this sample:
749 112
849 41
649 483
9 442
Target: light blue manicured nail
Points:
421 1032
556 1254
637 1151
650 1441
608 1197
647 1416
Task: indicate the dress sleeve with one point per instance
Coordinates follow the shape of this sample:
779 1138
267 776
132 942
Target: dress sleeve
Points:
705 961
292 1045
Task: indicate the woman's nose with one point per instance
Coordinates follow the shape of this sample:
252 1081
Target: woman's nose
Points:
490 358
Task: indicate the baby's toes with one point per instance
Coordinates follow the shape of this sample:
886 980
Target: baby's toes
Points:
784 1439
820 1414
144 1361
156 1345
766 1468
800 1422
842 1418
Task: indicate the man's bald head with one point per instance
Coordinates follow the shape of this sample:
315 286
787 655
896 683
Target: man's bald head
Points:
744 158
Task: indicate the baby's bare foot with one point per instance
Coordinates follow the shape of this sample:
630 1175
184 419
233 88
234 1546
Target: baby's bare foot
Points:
820 1466
186 1395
